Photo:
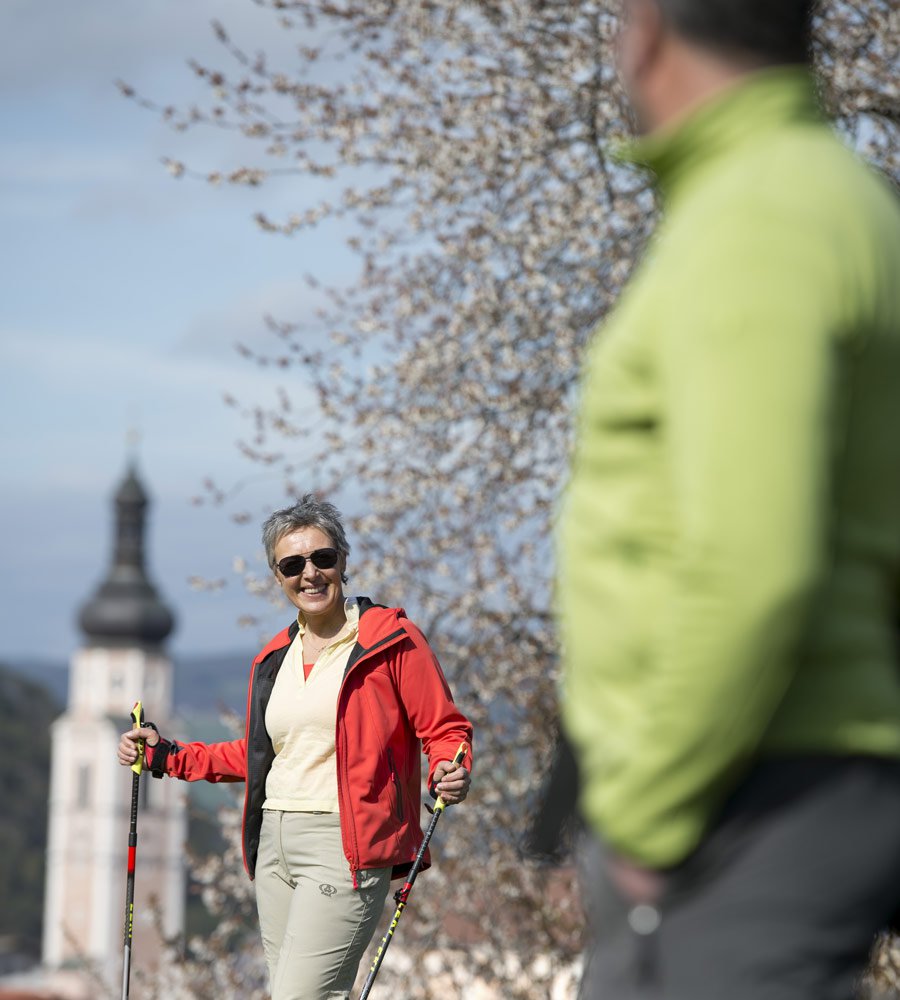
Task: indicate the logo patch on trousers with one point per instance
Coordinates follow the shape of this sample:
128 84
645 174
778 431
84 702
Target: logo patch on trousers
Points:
327 890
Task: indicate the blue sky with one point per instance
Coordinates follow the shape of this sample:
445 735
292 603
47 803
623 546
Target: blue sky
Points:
122 295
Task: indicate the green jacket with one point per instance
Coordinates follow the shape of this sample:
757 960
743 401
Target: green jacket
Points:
730 539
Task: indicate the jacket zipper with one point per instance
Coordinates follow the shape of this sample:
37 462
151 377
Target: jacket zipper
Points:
244 857
260 659
347 824
396 780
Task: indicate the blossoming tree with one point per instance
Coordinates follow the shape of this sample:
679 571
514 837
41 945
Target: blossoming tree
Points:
470 149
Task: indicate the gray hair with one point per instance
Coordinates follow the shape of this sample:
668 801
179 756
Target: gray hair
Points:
308 512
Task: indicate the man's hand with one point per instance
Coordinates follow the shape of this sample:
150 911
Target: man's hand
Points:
634 883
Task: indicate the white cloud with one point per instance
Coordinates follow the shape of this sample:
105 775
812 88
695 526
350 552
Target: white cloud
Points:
241 319
75 398
43 165
85 364
88 43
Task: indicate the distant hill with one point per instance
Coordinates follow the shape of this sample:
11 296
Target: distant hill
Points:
204 683
53 677
212 680
26 710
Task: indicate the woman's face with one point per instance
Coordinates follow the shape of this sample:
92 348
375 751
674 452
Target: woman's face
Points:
317 593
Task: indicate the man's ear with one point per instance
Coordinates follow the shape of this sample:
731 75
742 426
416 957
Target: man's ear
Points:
640 42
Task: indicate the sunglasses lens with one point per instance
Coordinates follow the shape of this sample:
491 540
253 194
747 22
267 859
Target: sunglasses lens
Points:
292 565
324 558
321 558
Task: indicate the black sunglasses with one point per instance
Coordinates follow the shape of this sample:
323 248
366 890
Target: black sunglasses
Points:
321 559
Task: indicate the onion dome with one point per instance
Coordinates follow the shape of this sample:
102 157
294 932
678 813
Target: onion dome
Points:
126 609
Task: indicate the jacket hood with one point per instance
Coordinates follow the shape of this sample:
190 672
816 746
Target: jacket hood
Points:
377 623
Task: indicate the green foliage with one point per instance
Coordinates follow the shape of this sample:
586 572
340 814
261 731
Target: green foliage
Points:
26 711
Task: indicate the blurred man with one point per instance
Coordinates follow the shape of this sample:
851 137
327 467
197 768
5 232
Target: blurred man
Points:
730 543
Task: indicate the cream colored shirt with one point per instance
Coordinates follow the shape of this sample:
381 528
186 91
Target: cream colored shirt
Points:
300 720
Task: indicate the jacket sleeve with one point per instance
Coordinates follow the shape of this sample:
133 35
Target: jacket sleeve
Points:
429 705
213 762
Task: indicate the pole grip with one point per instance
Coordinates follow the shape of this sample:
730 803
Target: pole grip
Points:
458 758
137 716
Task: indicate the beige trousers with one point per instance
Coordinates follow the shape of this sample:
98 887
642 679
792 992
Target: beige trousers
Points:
315 925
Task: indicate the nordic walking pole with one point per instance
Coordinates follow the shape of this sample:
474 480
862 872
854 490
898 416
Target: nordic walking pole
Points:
137 715
402 894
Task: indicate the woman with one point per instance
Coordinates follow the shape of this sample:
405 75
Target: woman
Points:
339 708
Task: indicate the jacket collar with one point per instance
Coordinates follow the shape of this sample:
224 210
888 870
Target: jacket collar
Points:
757 103
377 623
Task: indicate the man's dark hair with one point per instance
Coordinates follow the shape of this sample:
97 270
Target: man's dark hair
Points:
768 31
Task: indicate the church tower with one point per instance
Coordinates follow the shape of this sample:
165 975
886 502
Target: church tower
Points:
122 660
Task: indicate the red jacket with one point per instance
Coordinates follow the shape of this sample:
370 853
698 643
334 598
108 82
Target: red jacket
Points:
393 703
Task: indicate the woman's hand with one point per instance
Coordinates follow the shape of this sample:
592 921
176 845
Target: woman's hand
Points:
128 750
451 782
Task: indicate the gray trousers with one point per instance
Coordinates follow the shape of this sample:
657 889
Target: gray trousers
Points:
315 925
781 901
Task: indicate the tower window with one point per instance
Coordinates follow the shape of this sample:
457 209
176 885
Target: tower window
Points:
83 787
